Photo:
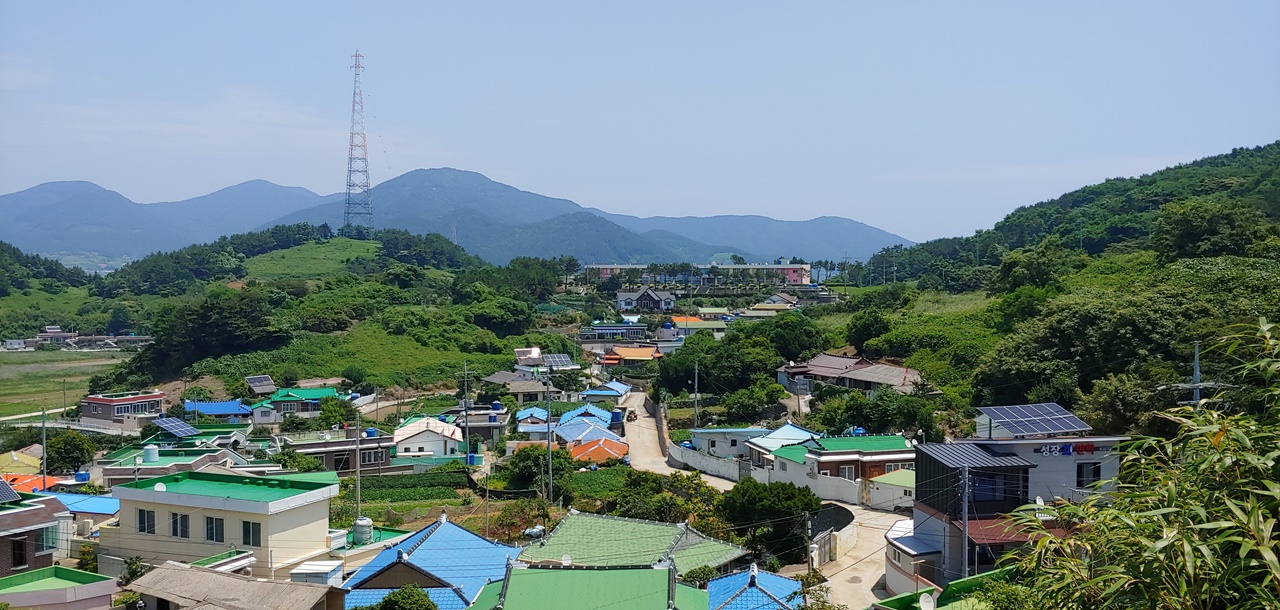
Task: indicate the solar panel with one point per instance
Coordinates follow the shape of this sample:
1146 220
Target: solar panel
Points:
1038 419
176 427
7 494
557 360
261 384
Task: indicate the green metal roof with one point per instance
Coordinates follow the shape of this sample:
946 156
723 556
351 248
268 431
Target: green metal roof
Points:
901 477
600 540
168 457
556 589
866 444
301 394
47 579
488 597
328 477
691 597
254 489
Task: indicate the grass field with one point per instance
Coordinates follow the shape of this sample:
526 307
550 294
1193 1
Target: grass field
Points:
308 261
31 379
941 302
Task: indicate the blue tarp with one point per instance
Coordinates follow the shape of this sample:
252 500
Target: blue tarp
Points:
81 503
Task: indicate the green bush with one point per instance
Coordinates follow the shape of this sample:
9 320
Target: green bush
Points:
435 478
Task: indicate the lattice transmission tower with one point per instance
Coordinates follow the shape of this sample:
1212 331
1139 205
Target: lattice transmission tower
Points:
357 218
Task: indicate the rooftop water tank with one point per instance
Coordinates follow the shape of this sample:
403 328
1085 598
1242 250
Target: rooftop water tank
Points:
150 453
859 431
442 418
493 419
496 406
82 477
370 432
363 531
616 416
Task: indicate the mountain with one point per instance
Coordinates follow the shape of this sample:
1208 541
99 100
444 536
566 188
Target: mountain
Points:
78 218
496 221
825 237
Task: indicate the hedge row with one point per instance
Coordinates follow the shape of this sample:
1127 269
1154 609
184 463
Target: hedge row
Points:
406 495
452 480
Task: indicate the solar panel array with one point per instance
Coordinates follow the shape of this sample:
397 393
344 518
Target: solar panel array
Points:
1032 420
557 360
176 427
261 384
7 494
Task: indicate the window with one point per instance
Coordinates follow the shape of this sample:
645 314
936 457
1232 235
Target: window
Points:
892 466
782 464
97 408
146 521
342 461
713 444
906 492
19 545
733 442
213 529
46 539
422 449
289 407
1088 473
897 556
846 472
988 489
251 533
179 525
371 456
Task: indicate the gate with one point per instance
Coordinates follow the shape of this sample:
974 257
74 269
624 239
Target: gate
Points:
826 551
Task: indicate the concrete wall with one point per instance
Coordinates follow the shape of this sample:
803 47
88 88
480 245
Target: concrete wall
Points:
728 444
682 457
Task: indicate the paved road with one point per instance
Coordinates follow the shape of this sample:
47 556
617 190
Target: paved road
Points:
50 414
855 577
642 437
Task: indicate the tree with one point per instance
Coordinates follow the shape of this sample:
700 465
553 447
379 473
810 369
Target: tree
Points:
197 393
1201 227
770 516
178 411
289 377
88 559
408 597
293 423
68 451
520 515
699 576
134 568
865 325
336 411
301 462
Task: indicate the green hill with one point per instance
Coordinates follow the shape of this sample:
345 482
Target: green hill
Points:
308 261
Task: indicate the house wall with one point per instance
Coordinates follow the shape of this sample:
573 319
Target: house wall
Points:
1055 471
806 475
727 444
288 536
107 411
28 540
883 496
426 442
900 572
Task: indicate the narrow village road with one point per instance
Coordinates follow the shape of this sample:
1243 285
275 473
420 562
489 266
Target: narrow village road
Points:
854 576
642 437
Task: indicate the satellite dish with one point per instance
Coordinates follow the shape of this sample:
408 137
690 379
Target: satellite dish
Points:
1039 501
160 487
927 602
326 436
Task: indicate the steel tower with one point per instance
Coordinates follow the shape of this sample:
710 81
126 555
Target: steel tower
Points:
357 218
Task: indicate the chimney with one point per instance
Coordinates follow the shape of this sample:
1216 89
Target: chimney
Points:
751 581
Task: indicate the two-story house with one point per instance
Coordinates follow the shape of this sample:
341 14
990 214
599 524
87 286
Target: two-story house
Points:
190 516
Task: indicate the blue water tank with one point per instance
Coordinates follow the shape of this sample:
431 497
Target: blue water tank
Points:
443 418
666 325
370 432
473 459
496 406
859 431
354 396
616 416
82 477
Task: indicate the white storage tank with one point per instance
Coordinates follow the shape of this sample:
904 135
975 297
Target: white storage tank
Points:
362 531
150 453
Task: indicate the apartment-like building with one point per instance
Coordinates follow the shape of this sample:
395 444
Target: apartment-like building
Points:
190 516
119 406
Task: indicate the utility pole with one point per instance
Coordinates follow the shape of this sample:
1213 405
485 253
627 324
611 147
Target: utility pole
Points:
464 379
358 463
808 538
44 447
695 395
1195 375
964 516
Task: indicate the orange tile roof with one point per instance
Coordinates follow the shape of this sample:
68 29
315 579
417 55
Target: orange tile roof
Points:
684 319
28 483
600 450
636 353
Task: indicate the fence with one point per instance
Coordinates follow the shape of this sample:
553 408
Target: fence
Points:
682 457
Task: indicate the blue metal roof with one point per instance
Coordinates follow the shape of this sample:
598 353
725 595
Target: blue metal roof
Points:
81 503
585 429
618 386
528 412
602 391
737 592
445 598
531 427
585 410
226 407
448 551
761 431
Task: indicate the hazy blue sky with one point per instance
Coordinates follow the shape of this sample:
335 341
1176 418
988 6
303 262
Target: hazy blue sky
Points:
924 119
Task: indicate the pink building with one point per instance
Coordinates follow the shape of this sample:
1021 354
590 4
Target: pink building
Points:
792 275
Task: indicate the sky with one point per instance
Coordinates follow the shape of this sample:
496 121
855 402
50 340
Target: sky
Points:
924 119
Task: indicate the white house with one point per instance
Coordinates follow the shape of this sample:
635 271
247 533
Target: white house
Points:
425 436
725 442
891 491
